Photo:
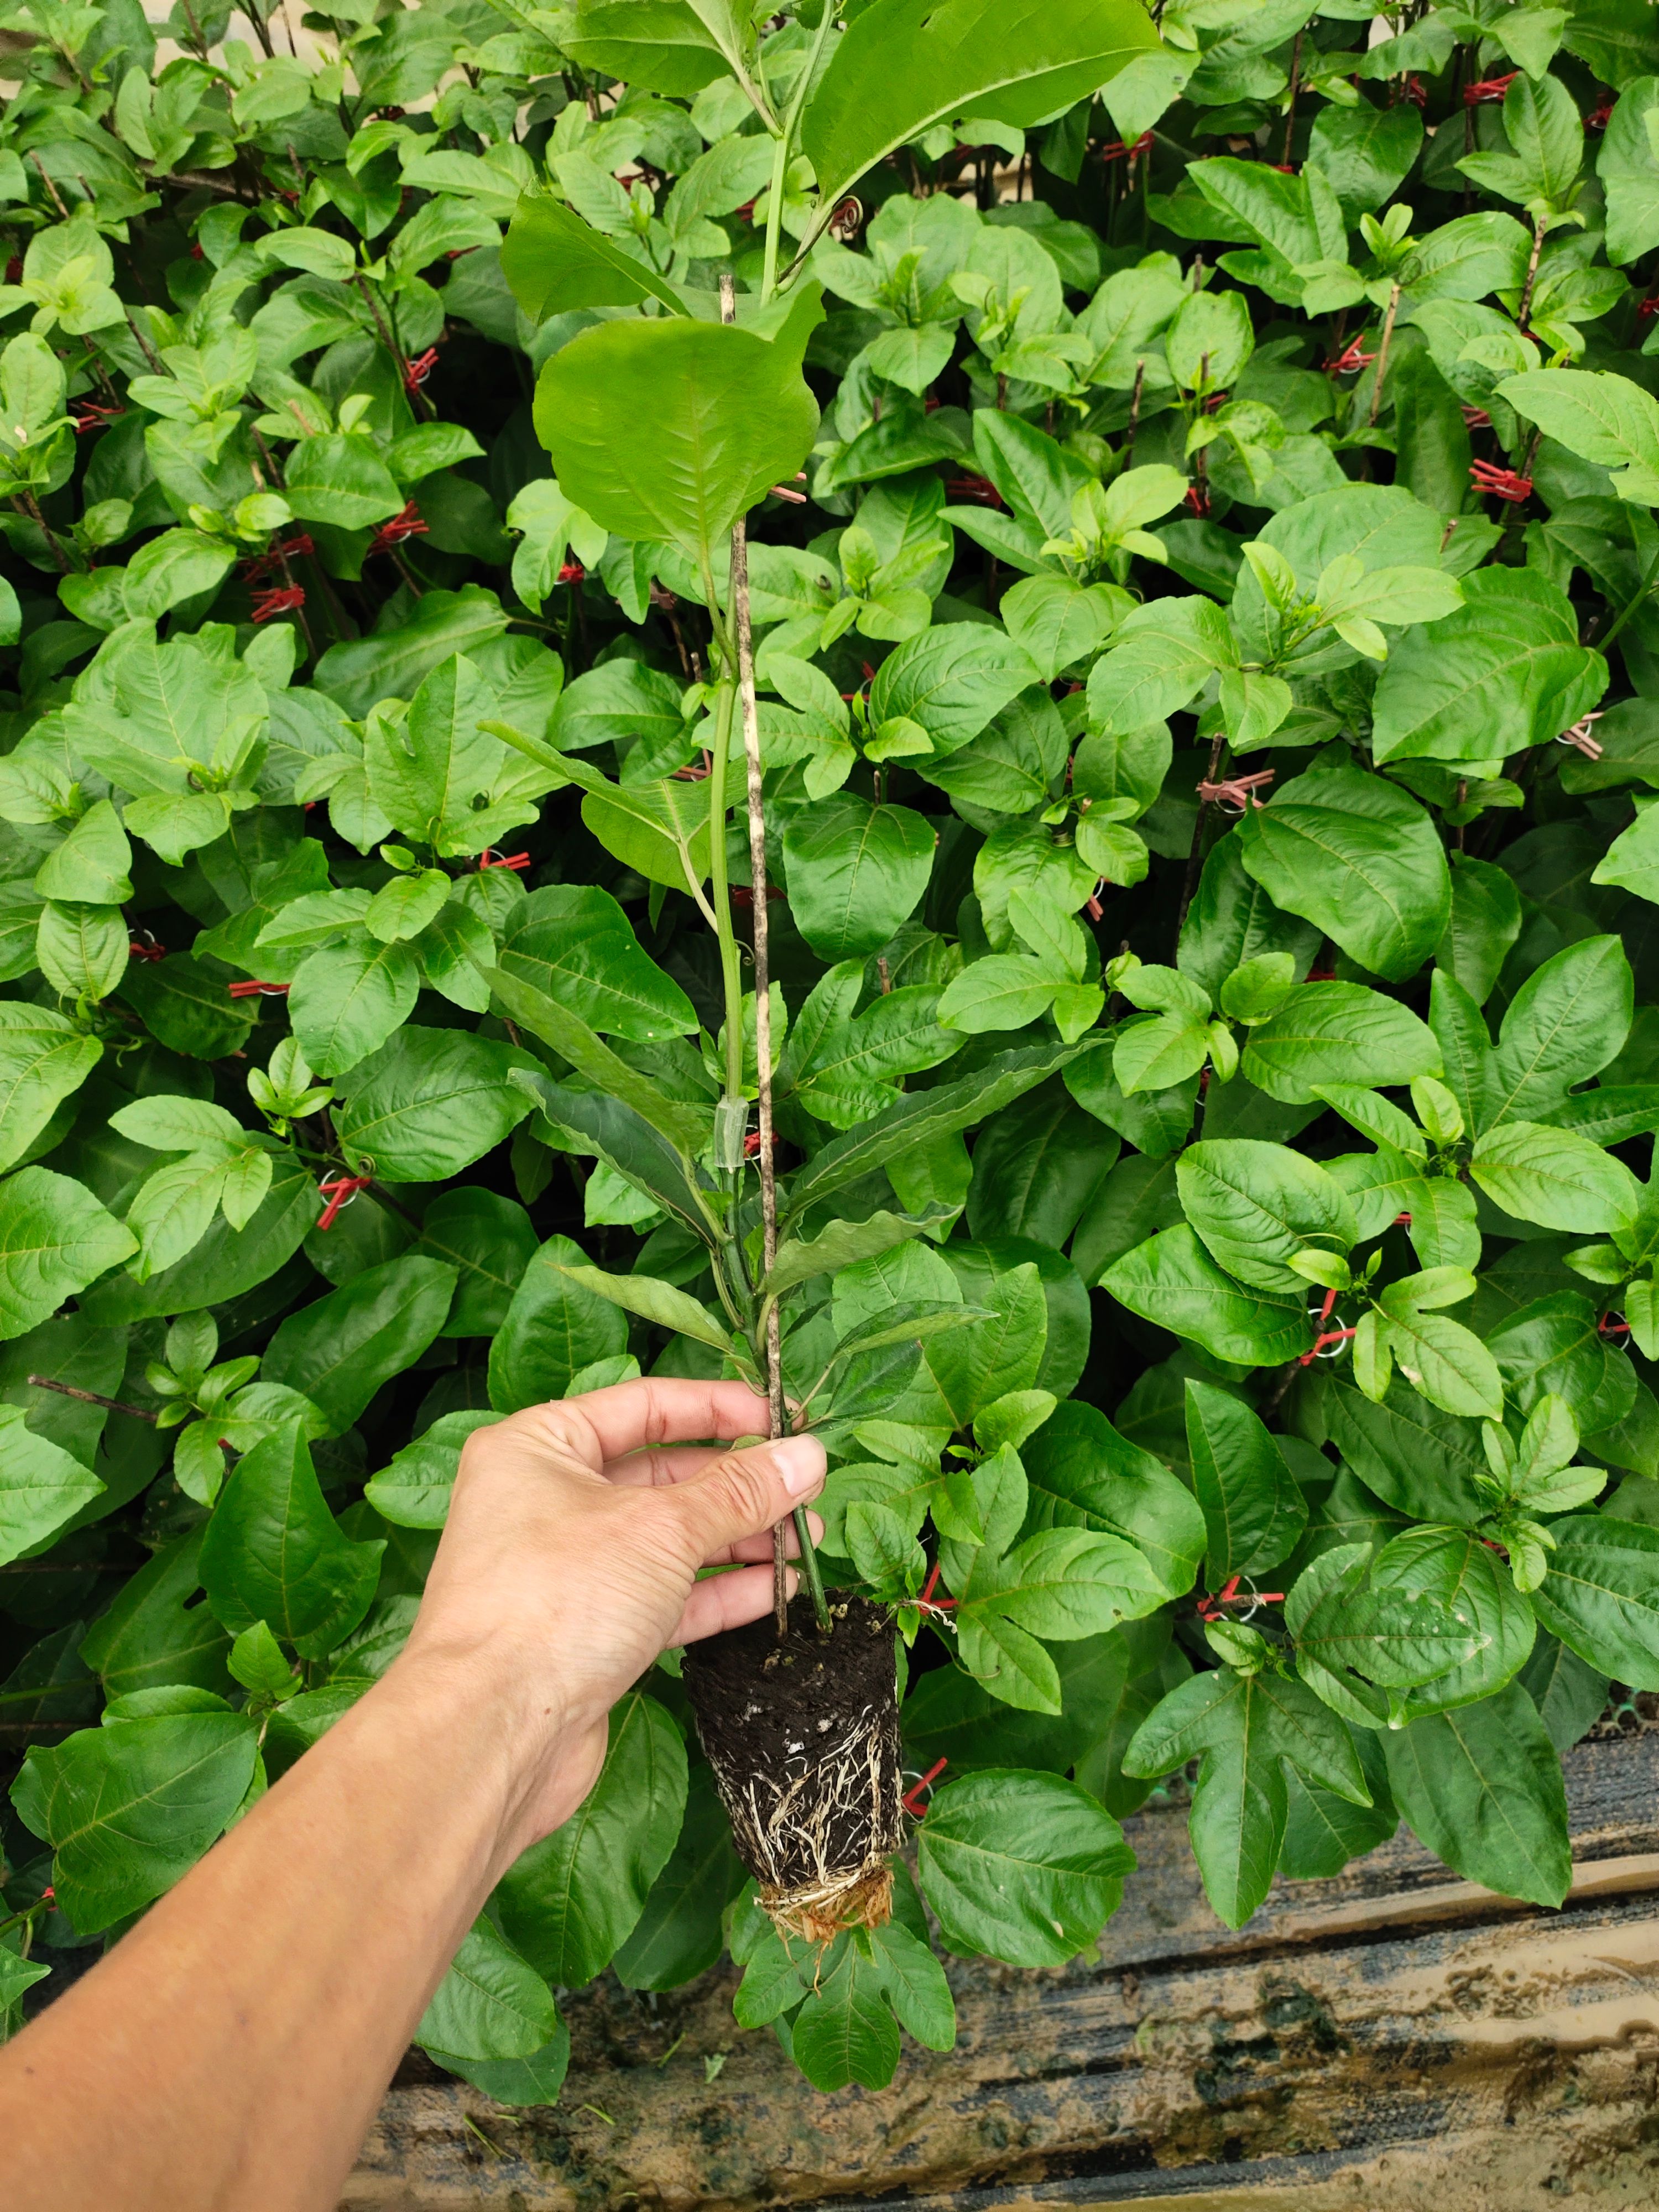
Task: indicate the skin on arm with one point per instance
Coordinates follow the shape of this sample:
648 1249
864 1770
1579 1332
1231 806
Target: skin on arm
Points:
231 2049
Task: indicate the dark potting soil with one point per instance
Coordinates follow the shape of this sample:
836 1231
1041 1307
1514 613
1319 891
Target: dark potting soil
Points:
803 1738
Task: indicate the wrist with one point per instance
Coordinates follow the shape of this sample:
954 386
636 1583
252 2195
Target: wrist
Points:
484 1730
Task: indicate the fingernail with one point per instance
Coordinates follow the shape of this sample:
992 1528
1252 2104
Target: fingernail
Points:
801 1461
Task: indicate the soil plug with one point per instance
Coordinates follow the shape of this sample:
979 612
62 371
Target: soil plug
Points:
803 1736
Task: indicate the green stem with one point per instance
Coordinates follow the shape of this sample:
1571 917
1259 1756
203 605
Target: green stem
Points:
809 1574
775 212
1631 604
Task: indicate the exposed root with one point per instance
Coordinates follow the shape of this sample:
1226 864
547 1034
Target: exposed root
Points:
804 1743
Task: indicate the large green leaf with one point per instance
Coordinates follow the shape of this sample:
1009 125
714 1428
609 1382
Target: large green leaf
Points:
575 943
1172 1280
1253 1511
490 2002
129 1808
339 1351
429 1103
55 1238
1482 1788
273 1552
1600 1596
856 872
1337 1033
979 60
1081 1473
672 429
1024 1867
554 1326
570 1902
554 261
1358 858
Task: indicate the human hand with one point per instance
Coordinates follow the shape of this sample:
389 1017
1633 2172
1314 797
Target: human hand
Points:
570 1556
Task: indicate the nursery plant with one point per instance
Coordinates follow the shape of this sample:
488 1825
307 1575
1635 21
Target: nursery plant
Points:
954 708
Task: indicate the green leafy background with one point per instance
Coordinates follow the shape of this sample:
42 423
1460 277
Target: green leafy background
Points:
1202 578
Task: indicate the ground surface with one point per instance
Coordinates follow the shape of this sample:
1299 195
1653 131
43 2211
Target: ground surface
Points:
1389 2041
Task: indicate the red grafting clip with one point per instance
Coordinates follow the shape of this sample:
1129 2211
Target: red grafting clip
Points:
339 1191
1601 114
88 414
1209 1606
1416 91
572 573
259 990
1490 90
1502 483
916 1811
1198 500
1476 418
1353 357
288 599
419 369
785 491
1581 736
1612 1324
143 947
406 524
1115 150
1646 310
1402 1221
490 858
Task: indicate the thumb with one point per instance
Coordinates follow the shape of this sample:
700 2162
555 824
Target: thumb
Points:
745 1491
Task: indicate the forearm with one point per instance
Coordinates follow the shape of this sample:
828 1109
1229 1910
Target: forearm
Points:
232 2049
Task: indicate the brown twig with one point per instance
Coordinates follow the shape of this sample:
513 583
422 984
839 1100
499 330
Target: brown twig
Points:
91 1398
1382 355
768 1181
1525 308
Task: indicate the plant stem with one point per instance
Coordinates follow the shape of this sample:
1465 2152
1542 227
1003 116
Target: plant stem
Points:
742 637
1525 307
1383 355
90 1398
773 225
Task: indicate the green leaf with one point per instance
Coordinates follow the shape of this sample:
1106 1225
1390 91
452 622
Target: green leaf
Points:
554 1326
1482 1788
339 1351
856 871
273 1552
413 1491
41 1485
1021 1866
656 1301
1602 417
43 1061
1337 1033
571 1900
1256 1204
129 1808
391 664
1506 671
575 945
55 1239
1565 1024
679 1934
553 261
347 1000
1360 859
341 481
1600 1596
685 1127
1246 1728
1253 1513
151 1635
92 864
672 429
1172 1280
1554 1178
429 1103
978 63
490 2002
1082 1474
1629 175
952 680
